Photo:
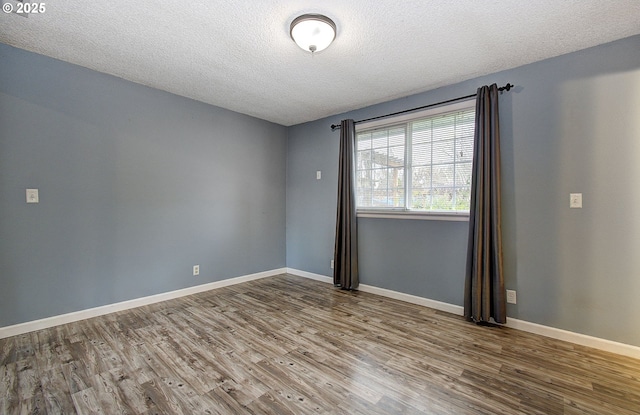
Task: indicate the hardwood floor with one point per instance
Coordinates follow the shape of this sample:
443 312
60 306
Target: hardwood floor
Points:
289 345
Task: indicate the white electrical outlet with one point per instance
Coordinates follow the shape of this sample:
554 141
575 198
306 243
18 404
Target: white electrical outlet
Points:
196 270
332 264
575 200
318 175
511 296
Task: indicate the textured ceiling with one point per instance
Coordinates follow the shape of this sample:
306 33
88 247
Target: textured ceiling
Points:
238 54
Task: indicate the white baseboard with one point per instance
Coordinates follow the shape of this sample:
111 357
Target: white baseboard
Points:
414 299
310 275
547 331
577 338
44 323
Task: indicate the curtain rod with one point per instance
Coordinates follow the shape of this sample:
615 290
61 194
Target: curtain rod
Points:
507 87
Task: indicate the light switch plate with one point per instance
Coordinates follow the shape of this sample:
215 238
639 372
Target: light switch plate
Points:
32 196
318 175
575 200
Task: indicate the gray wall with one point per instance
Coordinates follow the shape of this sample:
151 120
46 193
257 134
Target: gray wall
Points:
571 125
136 186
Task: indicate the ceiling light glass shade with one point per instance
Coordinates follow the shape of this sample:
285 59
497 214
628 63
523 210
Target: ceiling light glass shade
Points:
313 32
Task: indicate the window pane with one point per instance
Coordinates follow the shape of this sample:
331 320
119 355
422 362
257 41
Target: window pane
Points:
364 197
396 178
379 157
396 137
463 174
463 198
443 175
443 128
364 141
443 199
464 130
397 198
421 198
396 156
421 131
421 154
379 178
364 159
464 149
380 168
465 124
363 178
441 159
443 152
421 177
379 139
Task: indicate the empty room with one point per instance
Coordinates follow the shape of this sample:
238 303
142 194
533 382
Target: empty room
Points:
336 207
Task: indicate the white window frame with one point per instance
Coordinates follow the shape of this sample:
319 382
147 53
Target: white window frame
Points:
406 213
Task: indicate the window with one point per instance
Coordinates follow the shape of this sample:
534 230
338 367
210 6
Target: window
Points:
420 163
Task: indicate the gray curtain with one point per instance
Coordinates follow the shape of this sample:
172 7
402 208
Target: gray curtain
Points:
484 295
345 267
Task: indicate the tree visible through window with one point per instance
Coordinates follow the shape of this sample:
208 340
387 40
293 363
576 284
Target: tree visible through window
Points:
421 164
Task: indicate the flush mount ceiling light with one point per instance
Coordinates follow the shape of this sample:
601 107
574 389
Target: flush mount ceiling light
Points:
313 32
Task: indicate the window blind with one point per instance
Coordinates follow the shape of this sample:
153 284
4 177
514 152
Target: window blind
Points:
423 164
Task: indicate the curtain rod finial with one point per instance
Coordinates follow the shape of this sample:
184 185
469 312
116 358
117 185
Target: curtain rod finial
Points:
507 87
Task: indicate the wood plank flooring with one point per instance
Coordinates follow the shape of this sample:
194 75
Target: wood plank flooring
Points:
288 345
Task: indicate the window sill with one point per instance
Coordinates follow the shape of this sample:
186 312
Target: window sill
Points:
399 214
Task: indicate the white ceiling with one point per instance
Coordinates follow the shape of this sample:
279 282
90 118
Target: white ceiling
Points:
237 54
